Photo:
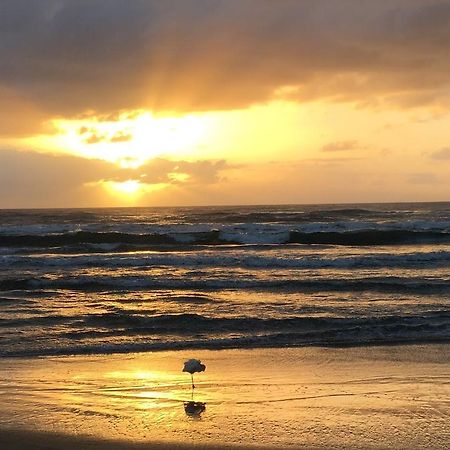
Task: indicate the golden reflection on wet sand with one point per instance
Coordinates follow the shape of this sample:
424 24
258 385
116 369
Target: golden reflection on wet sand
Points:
367 397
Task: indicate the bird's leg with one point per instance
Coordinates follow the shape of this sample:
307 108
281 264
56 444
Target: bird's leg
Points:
192 379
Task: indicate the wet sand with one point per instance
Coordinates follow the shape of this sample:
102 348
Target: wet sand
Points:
362 397
21 440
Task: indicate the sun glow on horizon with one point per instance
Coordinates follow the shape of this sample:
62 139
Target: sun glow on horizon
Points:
130 190
128 187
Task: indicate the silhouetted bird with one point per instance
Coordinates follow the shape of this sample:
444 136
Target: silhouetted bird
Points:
192 366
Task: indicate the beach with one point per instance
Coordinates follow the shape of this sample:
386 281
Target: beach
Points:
357 397
224 225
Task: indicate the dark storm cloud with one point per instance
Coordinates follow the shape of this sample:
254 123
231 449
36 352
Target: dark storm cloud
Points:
69 56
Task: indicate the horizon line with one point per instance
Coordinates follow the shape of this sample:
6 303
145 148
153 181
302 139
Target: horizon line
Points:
228 205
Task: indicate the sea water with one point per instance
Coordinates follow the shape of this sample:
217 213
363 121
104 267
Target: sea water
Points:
93 281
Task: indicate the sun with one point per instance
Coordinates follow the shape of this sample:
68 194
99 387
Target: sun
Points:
129 187
130 191
130 139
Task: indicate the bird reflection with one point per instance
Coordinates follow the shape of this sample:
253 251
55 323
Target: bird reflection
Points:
194 409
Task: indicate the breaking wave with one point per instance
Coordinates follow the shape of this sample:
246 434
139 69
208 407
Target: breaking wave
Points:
195 331
201 282
234 259
218 237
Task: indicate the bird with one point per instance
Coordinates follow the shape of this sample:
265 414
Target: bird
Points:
192 366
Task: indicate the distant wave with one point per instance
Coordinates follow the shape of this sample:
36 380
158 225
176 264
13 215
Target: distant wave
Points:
370 237
217 237
80 237
202 282
431 259
286 216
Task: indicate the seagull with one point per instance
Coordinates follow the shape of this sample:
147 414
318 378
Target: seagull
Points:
192 366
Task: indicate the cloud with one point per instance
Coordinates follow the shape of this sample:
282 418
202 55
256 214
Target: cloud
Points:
64 57
36 179
121 137
19 117
93 136
442 154
94 139
33 179
422 178
340 146
203 172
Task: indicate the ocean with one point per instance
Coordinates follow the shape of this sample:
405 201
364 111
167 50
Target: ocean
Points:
121 280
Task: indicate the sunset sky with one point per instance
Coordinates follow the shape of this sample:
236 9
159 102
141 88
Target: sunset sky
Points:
197 102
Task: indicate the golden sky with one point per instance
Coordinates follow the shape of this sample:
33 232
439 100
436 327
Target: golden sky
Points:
196 102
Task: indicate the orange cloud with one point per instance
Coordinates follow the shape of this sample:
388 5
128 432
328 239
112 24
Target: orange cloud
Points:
442 154
341 146
33 179
92 136
121 137
19 116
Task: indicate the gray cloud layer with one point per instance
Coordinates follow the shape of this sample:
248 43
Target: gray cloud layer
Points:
67 56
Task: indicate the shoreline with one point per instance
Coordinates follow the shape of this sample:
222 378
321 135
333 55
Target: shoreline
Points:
153 350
